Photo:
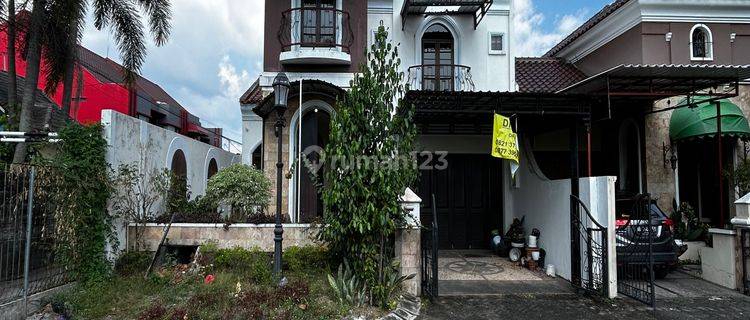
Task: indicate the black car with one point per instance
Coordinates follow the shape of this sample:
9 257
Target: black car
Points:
632 238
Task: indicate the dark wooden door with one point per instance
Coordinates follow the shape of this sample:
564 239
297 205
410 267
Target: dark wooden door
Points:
468 196
315 130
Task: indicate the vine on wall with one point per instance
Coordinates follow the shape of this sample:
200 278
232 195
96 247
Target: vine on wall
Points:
84 226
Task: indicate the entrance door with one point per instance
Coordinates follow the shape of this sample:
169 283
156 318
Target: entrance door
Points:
468 196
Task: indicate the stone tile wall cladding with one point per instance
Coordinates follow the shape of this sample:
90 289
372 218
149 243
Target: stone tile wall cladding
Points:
660 180
250 236
238 235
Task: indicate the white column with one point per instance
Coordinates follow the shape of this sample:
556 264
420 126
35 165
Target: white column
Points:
408 242
252 132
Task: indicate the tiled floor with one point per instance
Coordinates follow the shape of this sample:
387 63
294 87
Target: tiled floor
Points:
474 272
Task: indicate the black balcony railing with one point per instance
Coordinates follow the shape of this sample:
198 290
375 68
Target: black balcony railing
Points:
446 77
315 28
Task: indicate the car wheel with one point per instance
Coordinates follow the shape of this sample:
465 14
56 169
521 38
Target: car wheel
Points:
661 273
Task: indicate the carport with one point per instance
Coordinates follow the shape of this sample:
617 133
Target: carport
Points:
631 91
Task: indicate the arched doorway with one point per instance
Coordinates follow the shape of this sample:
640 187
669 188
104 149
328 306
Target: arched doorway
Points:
437 59
629 178
316 120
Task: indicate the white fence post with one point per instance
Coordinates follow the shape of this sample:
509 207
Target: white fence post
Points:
408 242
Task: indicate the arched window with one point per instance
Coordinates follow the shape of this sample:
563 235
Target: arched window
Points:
437 58
701 43
315 130
213 168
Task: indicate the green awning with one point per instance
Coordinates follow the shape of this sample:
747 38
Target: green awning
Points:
692 123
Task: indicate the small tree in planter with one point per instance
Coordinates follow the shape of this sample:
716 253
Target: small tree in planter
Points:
245 190
369 165
138 195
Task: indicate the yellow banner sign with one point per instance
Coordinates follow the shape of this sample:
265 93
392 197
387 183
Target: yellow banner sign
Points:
504 140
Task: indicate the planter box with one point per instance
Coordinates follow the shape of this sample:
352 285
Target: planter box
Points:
237 235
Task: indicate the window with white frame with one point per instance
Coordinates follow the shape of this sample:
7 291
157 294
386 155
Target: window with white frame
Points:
497 43
701 43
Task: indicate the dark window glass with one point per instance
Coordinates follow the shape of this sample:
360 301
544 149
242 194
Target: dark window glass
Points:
496 42
437 59
699 43
318 23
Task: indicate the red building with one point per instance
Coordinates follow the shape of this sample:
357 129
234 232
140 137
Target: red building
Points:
102 87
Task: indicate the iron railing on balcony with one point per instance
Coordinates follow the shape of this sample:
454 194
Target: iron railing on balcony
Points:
446 77
315 27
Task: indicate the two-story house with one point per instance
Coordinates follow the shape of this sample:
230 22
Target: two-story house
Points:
320 44
592 114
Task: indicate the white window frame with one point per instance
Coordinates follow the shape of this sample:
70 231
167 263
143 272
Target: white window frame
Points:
489 42
709 43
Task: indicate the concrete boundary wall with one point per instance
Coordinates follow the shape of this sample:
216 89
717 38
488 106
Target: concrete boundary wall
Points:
149 147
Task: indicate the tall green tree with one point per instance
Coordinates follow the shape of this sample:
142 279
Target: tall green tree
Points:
369 166
55 28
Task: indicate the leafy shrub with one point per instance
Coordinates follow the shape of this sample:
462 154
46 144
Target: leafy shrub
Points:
254 263
690 228
387 290
306 259
347 287
244 189
132 262
155 311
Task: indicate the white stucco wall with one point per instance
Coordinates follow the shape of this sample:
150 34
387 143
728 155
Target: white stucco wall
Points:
494 72
133 141
546 206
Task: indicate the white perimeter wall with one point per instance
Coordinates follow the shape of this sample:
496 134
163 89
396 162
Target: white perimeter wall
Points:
546 205
133 141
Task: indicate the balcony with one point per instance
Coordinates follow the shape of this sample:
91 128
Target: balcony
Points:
446 77
315 35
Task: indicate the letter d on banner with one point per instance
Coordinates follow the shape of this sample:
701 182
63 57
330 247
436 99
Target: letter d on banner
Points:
505 142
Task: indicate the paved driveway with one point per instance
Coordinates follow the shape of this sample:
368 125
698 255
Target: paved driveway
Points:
680 296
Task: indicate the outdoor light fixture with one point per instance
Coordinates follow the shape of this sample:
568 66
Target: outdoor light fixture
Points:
672 160
281 92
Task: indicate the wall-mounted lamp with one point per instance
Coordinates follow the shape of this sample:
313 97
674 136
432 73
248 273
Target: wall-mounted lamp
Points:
672 159
668 37
732 37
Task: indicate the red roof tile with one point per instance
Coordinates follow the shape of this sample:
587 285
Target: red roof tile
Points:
545 75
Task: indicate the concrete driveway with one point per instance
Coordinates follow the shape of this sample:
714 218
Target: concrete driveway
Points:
679 296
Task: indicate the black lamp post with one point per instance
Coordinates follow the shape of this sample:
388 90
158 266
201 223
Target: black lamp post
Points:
281 92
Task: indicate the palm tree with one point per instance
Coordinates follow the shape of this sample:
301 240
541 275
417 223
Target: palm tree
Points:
55 29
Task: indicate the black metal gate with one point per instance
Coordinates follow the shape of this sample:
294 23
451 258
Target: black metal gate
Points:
589 269
635 260
745 245
429 247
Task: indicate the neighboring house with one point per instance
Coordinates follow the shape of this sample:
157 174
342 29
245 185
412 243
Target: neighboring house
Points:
47 111
98 85
672 35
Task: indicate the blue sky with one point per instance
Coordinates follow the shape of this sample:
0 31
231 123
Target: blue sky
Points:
215 50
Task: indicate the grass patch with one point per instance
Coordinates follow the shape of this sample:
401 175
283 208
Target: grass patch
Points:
240 289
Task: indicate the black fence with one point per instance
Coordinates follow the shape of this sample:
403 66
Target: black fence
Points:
589 267
635 260
745 250
29 262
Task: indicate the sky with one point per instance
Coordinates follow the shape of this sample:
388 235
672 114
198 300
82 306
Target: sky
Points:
215 50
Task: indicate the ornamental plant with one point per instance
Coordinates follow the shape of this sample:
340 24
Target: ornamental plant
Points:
246 190
360 198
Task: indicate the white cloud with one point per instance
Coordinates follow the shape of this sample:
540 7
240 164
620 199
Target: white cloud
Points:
212 56
531 40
